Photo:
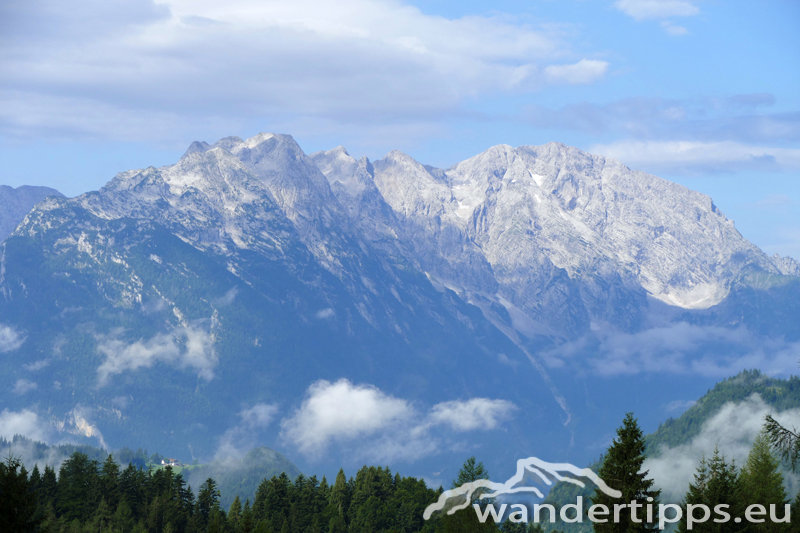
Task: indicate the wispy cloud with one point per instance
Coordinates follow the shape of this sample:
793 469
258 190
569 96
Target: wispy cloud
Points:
381 427
23 386
323 314
99 70
10 338
679 405
185 347
690 157
237 440
657 9
477 413
680 348
741 118
771 201
228 298
25 422
583 72
36 365
733 429
674 29
685 136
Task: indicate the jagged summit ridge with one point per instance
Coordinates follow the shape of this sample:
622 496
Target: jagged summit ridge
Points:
557 237
529 209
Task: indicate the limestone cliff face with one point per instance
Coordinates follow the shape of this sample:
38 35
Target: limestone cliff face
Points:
557 237
564 236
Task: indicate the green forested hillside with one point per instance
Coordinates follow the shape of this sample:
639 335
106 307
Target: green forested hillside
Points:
782 394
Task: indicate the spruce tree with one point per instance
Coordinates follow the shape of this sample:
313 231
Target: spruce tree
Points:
247 523
123 519
17 499
109 482
340 496
263 526
102 518
716 483
337 525
49 486
622 470
207 500
235 513
762 483
467 519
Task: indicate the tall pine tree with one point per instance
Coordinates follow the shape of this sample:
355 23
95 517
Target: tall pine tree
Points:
716 483
762 483
467 519
622 470
17 499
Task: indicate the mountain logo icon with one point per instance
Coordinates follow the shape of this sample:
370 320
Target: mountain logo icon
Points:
526 468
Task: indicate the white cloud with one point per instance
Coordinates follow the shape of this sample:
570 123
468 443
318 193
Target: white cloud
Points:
673 29
237 440
477 413
36 365
698 157
679 405
259 416
228 298
381 427
23 386
583 72
736 118
25 422
185 347
325 313
680 348
341 410
125 69
733 429
121 402
10 339
657 9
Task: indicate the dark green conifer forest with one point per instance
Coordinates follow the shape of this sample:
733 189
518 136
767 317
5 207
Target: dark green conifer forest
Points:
89 496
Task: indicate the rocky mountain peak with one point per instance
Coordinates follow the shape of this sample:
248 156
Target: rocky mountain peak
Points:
15 203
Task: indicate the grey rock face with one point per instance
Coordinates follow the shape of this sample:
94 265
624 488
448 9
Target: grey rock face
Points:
559 239
16 203
563 236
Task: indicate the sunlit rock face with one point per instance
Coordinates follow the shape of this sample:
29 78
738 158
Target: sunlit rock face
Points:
564 236
248 271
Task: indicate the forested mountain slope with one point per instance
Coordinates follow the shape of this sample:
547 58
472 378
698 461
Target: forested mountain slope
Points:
781 395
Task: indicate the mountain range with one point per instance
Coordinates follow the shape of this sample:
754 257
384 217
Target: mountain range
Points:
508 303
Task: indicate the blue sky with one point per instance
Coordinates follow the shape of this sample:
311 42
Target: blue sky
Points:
702 92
